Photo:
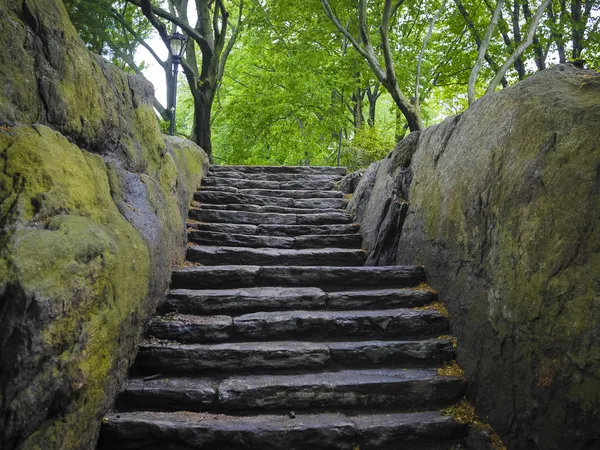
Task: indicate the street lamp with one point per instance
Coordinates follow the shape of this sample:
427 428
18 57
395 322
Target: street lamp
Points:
177 44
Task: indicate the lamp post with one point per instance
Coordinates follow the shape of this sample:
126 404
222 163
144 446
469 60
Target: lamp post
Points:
177 44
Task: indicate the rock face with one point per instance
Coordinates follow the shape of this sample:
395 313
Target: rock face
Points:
93 200
502 207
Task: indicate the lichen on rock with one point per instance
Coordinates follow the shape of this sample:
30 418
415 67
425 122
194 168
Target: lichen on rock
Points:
503 211
93 200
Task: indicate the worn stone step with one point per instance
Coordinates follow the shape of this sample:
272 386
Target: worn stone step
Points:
215 256
169 358
310 325
297 194
249 300
269 209
245 217
275 176
326 277
364 388
261 241
301 230
427 430
234 197
301 170
242 183
275 229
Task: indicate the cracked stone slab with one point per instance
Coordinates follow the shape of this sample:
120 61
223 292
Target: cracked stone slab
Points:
275 256
193 394
240 301
333 431
380 298
215 277
332 277
400 388
194 359
315 324
191 328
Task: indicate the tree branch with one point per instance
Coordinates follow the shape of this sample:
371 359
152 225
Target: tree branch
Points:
370 58
232 40
519 51
422 53
151 12
482 50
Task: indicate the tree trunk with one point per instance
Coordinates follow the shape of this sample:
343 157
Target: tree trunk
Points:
578 28
201 133
357 108
372 110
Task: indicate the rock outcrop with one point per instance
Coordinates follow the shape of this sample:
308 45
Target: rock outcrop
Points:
93 200
501 204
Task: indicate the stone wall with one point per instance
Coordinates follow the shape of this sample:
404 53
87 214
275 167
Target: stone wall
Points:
502 206
93 201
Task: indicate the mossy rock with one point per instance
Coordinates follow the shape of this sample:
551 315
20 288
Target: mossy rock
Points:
504 212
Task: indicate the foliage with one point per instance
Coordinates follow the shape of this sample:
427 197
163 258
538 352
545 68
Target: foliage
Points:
293 83
105 26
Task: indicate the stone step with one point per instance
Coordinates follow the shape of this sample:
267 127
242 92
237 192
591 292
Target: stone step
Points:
427 430
400 389
169 358
250 300
269 209
295 325
275 229
233 197
252 218
325 277
292 194
301 170
223 256
261 241
297 184
275 176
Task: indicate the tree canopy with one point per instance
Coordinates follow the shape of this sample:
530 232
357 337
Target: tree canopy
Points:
280 82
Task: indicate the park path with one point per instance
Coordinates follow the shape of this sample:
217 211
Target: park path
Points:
276 336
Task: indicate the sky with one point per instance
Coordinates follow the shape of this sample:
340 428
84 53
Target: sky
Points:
153 71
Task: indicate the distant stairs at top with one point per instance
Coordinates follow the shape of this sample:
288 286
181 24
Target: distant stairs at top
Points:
275 336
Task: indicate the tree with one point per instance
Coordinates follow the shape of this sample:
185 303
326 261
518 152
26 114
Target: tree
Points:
386 73
215 38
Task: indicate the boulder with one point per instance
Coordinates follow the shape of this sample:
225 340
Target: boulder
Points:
503 210
93 202
349 183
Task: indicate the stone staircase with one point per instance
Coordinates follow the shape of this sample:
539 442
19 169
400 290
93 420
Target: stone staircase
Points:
275 336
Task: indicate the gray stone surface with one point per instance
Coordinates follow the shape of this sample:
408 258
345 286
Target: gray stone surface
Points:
239 240
275 256
244 217
331 277
183 431
299 230
272 209
292 194
319 324
379 299
191 329
194 359
504 212
215 277
344 389
177 431
191 394
349 183
391 353
239 301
